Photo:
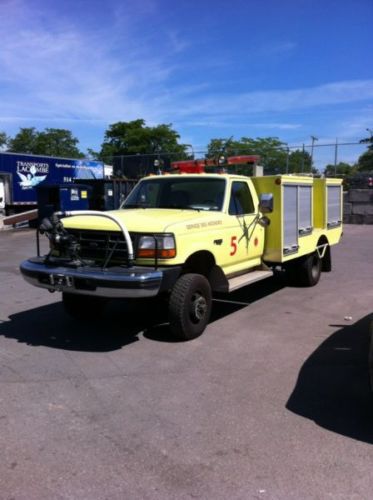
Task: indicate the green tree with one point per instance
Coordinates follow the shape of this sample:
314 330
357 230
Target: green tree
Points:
365 161
342 168
300 162
50 142
58 142
24 141
134 137
3 140
219 147
368 140
270 149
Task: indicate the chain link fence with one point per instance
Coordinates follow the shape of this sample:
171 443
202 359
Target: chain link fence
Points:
302 159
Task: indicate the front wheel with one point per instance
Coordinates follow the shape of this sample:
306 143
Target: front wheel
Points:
190 306
83 307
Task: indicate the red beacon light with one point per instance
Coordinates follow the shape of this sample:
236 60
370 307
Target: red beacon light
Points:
243 159
198 166
189 166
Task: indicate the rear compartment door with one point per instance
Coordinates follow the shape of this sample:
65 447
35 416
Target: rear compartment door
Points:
297 215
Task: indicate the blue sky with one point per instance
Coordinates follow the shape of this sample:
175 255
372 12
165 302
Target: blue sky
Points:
288 69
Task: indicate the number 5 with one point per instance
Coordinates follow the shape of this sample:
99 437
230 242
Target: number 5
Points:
233 245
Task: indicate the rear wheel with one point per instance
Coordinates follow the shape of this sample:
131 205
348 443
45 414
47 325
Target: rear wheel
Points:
83 307
371 355
306 271
190 306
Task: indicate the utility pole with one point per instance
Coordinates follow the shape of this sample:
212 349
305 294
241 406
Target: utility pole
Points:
313 138
302 167
287 159
335 157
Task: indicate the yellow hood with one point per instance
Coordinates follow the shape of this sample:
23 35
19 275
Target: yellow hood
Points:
140 220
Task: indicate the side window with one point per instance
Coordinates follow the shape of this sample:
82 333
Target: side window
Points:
241 201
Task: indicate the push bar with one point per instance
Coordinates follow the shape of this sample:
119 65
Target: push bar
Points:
107 216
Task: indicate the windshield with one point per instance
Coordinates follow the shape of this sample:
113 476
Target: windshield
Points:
178 192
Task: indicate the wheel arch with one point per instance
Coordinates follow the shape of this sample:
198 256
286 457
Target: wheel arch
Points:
326 261
203 262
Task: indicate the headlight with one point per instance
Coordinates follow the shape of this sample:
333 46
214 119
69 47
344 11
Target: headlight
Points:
161 246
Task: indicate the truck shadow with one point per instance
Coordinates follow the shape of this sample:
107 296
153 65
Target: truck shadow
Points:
50 326
121 325
225 304
230 303
333 384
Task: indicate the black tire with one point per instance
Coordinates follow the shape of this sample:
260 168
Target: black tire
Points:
190 306
83 307
306 271
370 361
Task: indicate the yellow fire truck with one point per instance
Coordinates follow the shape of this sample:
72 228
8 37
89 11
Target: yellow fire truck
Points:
187 235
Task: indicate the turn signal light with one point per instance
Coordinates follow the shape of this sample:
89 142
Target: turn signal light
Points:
150 253
160 246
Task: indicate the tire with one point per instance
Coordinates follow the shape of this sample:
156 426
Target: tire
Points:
370 361
83 307
190 306
306 271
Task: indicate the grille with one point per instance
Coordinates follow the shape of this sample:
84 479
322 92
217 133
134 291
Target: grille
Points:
101 246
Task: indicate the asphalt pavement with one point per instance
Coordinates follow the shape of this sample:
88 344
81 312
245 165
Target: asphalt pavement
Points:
271 402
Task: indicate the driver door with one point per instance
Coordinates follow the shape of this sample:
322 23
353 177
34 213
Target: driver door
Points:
245 237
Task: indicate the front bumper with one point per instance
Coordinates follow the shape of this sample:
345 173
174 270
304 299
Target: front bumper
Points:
114 282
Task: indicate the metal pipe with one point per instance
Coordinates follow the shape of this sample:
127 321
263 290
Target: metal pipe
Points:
38 242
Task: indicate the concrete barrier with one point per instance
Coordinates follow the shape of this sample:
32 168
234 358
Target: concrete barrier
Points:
358 206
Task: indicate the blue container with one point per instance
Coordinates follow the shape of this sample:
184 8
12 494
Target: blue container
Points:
62 197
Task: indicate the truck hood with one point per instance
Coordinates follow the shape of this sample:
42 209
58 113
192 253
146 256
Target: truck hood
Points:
142 220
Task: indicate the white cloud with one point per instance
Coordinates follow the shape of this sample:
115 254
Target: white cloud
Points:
218 123
283 100
357 125
63 72
68 73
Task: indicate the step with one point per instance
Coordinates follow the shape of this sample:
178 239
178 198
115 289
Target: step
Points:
247 279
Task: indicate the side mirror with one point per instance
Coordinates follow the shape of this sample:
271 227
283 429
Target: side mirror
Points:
264 221
266 203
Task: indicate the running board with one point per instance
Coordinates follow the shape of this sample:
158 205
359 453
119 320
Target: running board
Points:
247 279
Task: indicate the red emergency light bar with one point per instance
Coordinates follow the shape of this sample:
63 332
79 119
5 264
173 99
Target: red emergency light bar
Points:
198 166
189 166
242 159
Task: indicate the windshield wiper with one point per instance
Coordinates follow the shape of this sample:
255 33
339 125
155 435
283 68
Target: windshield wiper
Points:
134 205
179 207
